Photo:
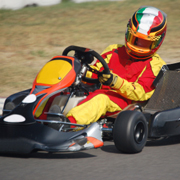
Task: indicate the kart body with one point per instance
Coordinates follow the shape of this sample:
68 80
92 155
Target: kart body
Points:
34 119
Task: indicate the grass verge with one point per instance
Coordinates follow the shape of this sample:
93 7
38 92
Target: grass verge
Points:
32 36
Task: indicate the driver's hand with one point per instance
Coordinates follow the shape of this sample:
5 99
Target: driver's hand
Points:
105 79
111 79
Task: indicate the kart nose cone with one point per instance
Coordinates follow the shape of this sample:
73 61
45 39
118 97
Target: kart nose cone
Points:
14 118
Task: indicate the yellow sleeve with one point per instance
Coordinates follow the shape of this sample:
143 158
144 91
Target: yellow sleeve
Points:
133 91
141 89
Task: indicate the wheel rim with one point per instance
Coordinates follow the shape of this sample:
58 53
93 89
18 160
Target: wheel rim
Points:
139 132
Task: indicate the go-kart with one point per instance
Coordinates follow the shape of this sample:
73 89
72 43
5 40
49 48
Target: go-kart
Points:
35 119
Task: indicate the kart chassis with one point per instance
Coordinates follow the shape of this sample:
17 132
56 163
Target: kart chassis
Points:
157 118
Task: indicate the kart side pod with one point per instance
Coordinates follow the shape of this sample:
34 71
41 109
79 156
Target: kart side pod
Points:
165 123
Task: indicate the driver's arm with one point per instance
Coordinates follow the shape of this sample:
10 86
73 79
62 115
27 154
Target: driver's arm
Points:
143 88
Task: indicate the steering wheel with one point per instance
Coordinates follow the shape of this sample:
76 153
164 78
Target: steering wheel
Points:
86 55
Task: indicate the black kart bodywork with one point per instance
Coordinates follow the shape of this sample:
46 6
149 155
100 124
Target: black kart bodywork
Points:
157 118
163 109
28 136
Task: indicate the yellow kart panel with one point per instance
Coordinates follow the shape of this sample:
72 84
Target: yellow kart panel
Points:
53 72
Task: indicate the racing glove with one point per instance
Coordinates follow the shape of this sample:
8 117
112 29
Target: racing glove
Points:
111 79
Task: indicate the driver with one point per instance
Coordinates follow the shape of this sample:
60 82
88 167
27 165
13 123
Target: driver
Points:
133 68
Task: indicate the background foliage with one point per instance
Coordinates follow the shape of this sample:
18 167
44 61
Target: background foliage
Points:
31 36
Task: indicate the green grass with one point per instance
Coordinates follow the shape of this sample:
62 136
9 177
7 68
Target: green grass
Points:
31 36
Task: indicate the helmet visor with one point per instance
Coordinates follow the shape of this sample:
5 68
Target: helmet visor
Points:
142 41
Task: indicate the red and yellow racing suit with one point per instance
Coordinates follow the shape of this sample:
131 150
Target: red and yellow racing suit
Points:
136 85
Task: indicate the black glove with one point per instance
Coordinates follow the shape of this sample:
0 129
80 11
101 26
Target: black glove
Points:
111 79
106 79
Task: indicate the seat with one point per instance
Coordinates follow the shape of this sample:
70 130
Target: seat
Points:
167 92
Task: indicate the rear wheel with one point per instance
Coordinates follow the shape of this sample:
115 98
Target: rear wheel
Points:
130 131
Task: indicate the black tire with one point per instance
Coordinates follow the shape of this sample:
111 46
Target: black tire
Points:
130 131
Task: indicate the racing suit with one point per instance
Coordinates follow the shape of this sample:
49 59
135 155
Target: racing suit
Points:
136 85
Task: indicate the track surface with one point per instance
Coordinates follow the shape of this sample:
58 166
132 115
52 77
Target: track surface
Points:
158 160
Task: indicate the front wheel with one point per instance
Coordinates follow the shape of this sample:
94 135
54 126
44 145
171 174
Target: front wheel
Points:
130 131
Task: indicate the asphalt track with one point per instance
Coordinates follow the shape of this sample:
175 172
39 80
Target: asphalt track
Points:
159 160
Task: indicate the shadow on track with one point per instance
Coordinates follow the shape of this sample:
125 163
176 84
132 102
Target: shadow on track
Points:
109 147
46 155
60 155
164 142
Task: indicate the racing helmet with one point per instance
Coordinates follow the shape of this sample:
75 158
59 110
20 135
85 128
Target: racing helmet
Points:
145 32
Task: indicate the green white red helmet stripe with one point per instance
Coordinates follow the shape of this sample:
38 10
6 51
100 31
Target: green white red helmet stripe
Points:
148 17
